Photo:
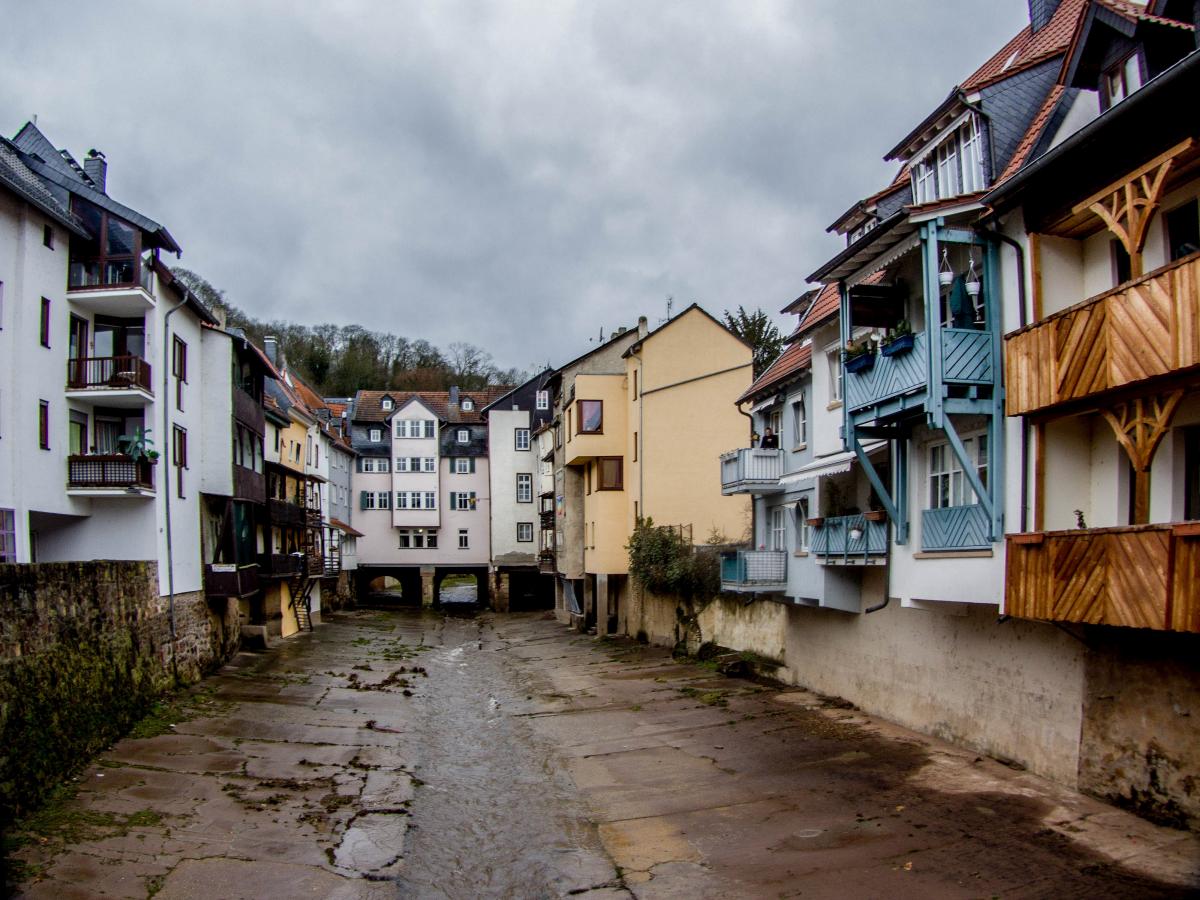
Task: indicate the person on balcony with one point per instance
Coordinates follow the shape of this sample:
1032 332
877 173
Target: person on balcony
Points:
770 440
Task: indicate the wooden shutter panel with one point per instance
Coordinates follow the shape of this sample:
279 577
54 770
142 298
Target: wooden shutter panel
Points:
472 467
362 498
453 495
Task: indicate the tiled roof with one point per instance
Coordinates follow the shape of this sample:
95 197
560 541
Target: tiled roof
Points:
792 360
22 181
1137 12
1032 134
1028 49
368 404
824 306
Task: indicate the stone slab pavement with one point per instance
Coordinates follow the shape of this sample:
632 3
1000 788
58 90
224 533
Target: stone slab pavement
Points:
400 753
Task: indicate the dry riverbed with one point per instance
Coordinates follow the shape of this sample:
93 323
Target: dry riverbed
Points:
409 754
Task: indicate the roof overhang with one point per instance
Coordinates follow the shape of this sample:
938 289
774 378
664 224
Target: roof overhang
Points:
932 123
874 243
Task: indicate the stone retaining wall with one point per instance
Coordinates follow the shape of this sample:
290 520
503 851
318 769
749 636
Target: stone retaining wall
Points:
85 648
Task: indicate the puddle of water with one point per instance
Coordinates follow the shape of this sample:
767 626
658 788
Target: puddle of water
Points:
496 816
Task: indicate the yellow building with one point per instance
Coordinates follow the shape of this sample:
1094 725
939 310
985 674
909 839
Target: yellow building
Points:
643 439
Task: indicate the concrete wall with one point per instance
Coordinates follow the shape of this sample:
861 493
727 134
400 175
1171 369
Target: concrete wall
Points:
215 448
85 648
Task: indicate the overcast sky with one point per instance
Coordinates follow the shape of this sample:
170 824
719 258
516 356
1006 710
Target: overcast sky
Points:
512 174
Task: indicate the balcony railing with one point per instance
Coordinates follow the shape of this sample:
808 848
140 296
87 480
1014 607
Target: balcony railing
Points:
966 357
248 411
850 541
1140 576
110 372
955 528
753 568
283 512
280 565
109 471
230 579
90 275
546 563
1146 329
750 469
546 519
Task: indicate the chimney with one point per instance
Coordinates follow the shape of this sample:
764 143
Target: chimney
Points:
1041 12
454 396
643 326
271 348
96 168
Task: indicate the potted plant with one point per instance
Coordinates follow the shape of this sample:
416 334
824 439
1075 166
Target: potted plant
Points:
945 273
138 446
858 356
898 339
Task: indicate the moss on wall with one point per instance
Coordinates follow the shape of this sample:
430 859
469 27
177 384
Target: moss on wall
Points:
85 649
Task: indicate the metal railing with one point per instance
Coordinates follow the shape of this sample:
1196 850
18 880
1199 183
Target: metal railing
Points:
112 470
750 467
116 372
750 567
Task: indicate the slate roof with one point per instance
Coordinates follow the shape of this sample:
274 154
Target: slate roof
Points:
22 181
1137 12
795 359
367 404
1032 134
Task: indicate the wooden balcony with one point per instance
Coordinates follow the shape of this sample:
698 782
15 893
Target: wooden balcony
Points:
850 541
1144 330
248 411
897 382
1140 576
123 381
955 528
281 565
751 470
103 474
281 512
230 579
546 562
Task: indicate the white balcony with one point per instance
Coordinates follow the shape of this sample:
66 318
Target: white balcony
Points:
751 471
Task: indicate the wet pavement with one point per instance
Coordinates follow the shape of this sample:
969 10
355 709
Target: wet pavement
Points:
400 753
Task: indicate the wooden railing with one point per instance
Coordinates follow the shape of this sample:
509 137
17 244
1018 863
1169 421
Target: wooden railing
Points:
850 540
281 565
1140 576
109 471
1142 330
966 358
955 528
230 580
546 562
115 372
281 512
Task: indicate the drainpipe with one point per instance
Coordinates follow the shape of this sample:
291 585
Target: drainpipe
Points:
753 505
166 416
1022 320
878 606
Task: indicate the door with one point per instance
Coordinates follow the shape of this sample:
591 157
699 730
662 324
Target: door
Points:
77 352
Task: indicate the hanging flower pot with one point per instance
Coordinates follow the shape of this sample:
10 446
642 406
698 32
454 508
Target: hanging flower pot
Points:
945 273
973 283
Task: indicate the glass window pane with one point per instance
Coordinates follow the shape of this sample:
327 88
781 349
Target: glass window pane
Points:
122 239
591 416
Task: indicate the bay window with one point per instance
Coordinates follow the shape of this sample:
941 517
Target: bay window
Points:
952 167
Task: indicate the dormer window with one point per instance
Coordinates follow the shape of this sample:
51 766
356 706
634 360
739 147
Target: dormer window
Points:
1122 79
952 167
468 404
858 232
387 403
542 400
376 435
464 436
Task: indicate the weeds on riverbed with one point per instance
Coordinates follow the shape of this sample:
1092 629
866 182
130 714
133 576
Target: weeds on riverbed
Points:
184 706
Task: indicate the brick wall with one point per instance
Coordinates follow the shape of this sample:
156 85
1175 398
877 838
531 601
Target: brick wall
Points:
85 648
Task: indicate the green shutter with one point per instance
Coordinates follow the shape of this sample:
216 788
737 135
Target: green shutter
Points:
472 468
362 498
453 494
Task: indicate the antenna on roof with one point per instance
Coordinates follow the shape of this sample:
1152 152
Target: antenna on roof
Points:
33 119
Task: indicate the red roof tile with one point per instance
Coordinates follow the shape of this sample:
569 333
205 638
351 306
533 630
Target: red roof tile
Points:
1028 49
1137 12
792 360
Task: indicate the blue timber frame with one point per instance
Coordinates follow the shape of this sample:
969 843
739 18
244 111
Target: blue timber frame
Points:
977 364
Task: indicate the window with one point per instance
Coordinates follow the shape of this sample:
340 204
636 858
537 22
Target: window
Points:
44 424
591 417
468 404
464 465
953 167
462 500
542 400
386 404
1122 267
948 485
375 435
464 539
803 530
1183 230
635 446
429 464
1122 79
179 369
609 474
775 422
834 360
383 499
366 499
524 487
417 538
635 384
373 464
401 463
799 423
401 499
179 455
431 499
48 236
44 323
524 532
778 524
464 436
8 536
111 258
521 437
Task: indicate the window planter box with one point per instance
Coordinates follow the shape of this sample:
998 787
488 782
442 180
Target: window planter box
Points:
815 521
898 345
860 363
875 515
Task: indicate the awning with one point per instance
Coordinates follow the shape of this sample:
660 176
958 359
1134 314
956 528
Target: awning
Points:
829 465
344 528
765 404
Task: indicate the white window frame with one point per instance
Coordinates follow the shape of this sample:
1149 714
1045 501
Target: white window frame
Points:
946 483
777 529
524 487
464 539
462 465
803 529
834 359
521 438
375 435
468 404
428 464
401 500
524 532
431 499
463 436
8 536
402 464
386 404
542 400
799 423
